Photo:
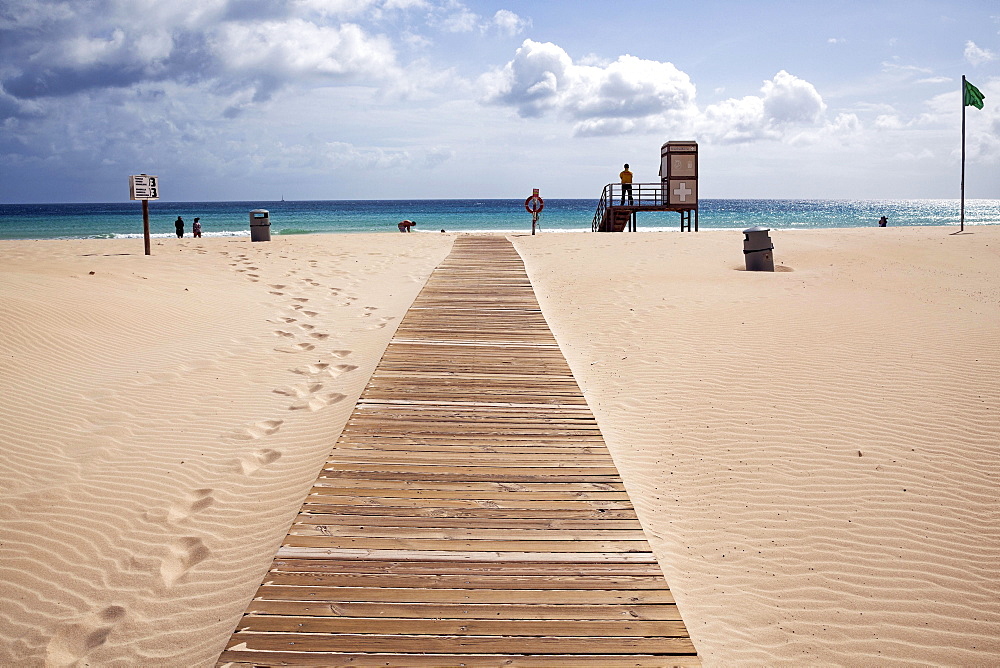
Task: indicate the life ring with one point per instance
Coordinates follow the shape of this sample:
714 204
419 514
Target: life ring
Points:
534 204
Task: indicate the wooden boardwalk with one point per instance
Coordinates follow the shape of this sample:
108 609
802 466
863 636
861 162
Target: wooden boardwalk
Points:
470 514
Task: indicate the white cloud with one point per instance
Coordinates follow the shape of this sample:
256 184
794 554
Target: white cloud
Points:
894 67
977 56
627 93
270 53
888 122
454 16
509 23
334 7
788 99
785 106
301 47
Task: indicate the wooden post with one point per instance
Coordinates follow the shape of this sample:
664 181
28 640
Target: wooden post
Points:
145 223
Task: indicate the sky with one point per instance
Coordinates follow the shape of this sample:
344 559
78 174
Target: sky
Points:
426 99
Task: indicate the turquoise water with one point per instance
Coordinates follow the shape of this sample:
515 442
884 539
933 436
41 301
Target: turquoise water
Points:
124 219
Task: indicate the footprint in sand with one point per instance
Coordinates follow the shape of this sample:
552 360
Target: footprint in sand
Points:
341 354
316 402
311 314
254 431
184 554
300 390
300 299
297 348
382 322
75 640
319 335
340 369
279 332
193 502
277 286
276 292
307 327
310 369
253 462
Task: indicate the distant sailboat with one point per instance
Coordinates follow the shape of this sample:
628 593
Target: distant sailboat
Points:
282 198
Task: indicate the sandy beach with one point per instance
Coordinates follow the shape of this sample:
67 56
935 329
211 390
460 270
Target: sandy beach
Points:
814 453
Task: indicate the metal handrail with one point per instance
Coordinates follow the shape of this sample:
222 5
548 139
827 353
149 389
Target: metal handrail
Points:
643 194
601 206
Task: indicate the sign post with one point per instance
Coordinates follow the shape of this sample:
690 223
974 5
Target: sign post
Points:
534 206
144 187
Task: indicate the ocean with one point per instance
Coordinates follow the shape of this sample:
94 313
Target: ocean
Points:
124 219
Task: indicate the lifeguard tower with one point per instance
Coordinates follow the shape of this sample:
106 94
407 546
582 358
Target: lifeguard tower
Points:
676 191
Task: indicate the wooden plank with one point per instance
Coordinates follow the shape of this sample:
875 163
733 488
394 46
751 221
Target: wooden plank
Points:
318 494
268 592
505 569
464 610
330 530
467 522
464 627
333 488
463 545
303 552
239 658
344 642
464 581
318 505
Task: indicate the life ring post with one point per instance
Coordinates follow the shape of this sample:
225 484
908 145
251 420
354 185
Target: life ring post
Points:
534 205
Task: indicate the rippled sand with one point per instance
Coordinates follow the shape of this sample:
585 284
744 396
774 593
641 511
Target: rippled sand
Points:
815 452
162 419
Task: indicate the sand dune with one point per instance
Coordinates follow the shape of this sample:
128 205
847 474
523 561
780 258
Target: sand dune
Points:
815 452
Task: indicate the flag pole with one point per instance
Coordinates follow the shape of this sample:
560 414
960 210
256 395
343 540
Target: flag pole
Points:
962 209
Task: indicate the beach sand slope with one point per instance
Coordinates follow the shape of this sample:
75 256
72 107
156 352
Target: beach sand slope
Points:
814 452
162 419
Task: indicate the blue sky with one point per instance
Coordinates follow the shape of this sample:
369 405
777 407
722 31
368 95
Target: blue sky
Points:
385 99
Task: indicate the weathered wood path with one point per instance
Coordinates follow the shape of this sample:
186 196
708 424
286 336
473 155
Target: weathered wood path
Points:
470 514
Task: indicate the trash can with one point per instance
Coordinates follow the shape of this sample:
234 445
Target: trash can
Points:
260 225
757 249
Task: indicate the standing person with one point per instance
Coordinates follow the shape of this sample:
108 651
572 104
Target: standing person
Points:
179 226
626 178
405 225
196 228
883 221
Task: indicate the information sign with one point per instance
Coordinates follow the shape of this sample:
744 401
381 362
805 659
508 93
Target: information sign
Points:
143 186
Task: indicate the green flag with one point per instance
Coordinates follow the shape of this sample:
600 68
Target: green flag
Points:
973 98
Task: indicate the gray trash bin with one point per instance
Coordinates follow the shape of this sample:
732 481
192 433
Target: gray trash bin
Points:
260 225
757 249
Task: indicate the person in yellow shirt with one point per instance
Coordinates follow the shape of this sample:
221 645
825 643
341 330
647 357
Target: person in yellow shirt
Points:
626 178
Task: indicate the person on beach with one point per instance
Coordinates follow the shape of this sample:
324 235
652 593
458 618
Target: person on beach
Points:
196 228
179 226
626 179
883 222
405 225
